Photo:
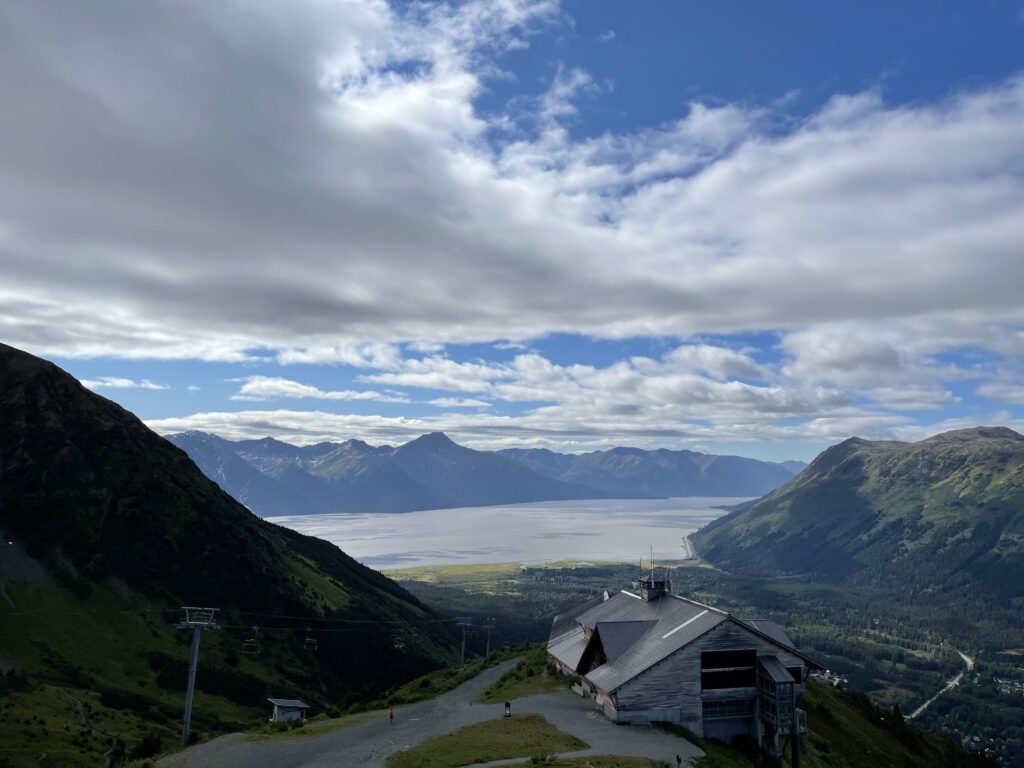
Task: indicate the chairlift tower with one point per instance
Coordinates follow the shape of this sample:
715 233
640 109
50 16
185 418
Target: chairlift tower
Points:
196 619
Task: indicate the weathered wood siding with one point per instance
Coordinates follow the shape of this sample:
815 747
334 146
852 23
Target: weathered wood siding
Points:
674 683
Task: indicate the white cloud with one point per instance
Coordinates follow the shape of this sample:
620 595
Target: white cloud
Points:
437 372
264 387
717 362
606 37
1003 392
116 382
372 204
316 185
488 431
459 402
345 352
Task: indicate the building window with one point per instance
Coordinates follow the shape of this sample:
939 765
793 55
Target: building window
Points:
720 709
728 669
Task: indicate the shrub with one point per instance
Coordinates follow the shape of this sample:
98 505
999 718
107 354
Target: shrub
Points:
148 746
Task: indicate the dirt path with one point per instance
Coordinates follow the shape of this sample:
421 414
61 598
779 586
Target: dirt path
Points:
369 745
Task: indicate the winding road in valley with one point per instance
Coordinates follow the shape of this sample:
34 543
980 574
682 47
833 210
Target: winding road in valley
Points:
950 685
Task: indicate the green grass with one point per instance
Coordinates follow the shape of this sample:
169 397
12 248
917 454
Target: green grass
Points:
602 761
319 726
74 649
716 755
847 731
440 681
507 737
531 676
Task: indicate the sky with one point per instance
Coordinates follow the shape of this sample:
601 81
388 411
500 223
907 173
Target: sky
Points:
752 228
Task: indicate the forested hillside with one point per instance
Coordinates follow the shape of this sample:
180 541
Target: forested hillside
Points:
945 514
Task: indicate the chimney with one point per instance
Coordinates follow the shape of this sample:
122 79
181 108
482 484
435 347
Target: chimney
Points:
652 589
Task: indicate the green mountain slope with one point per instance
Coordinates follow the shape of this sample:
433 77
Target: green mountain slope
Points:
945 514
845 730
107 528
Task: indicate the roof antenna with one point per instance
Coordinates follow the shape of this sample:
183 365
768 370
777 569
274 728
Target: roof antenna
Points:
652 562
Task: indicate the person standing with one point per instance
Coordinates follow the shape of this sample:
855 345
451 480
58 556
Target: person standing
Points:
391 716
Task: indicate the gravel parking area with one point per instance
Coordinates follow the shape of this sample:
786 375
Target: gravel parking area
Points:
370 744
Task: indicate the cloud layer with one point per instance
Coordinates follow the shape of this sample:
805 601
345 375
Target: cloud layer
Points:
315 183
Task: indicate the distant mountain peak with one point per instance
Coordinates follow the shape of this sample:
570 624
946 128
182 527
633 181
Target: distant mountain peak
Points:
268 440
195 434
432 440
976 433
359 445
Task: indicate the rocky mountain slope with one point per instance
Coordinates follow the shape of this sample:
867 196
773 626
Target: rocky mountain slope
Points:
430 472
274 478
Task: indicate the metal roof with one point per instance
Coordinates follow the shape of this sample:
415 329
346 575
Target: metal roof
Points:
636 634
567 623
569 647
290 703
618 636
670 633
774 669
770 628
622 606
668 623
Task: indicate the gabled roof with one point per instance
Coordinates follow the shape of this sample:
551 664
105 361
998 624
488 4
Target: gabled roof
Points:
771 629
290 703
618 636
568 647
636 634
567 623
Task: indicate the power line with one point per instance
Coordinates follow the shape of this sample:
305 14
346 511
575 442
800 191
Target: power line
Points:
320 619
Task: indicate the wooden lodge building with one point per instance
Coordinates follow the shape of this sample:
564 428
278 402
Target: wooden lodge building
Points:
649 655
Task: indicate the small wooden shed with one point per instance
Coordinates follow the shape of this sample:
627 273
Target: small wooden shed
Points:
288 709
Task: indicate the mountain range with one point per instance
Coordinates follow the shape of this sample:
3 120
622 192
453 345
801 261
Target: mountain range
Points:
945 514
274 478
107 529
639 473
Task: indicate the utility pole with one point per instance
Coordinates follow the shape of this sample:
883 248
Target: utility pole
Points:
196 619
464 621
489 624
795 741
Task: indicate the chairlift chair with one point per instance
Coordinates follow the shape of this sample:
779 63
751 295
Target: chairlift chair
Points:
252 644
310 643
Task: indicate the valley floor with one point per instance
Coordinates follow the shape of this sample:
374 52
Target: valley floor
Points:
369 745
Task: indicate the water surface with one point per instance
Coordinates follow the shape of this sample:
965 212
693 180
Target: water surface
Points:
605 529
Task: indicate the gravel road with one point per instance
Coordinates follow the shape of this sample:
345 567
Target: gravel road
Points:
369 745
